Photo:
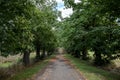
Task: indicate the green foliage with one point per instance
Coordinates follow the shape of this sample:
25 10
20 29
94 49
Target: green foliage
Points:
14 26
26 26
93 26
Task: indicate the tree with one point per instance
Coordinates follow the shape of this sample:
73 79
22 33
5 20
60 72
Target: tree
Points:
15 28
93 24
43 23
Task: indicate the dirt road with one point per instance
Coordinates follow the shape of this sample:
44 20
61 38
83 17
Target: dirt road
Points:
59 69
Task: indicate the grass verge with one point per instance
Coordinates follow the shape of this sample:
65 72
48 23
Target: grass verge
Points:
30 71
5 65
91 72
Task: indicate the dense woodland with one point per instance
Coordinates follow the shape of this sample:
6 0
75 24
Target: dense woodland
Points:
93 26
28 26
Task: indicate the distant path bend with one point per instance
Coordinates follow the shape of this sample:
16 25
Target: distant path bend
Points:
59 69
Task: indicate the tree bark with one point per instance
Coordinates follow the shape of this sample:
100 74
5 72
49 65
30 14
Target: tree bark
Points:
48 53
77 54
43 53
98 59
84 54
26 58
37 53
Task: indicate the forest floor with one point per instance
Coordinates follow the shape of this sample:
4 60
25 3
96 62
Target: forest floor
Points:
58 69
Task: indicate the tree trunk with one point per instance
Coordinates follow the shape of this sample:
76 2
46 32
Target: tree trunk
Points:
37 53
73 53
84 54
77 54
43 53
48 53
98 59
26 58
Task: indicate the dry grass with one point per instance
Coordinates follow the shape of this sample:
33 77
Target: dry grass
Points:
10 60
11 65
117 62
10 71
115 66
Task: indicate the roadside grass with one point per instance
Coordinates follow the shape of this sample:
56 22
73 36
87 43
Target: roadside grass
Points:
11 60
114 63
30 71
91 72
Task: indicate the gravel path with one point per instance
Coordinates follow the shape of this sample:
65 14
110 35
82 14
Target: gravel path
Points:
59 69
